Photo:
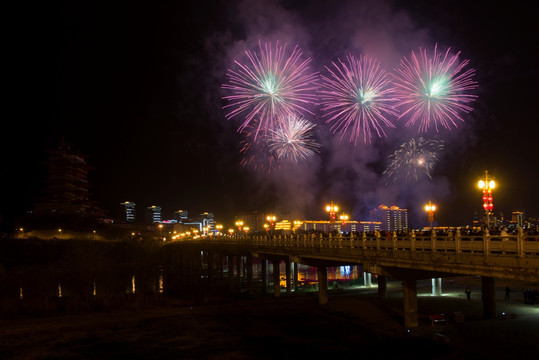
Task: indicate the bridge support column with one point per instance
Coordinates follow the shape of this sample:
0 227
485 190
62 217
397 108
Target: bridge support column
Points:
488 297
437 286
288 277
276 279
322 285
210 266
367 279
230 272
264 275
295 282
382 287
409 288
239 270
250 289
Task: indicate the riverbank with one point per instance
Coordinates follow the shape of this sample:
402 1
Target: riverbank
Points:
355 323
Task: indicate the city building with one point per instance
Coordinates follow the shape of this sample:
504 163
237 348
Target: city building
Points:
517 218
128 212
346 227
153 214
392 218
181 216
254 221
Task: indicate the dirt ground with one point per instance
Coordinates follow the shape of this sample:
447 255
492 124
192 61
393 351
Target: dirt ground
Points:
355 323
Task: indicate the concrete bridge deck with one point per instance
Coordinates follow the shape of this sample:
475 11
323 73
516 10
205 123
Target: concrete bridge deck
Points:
407 256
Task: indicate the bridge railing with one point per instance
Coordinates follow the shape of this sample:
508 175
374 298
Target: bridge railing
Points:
520 244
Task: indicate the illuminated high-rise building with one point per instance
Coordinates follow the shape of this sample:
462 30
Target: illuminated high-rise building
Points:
153 214
181 216
128 211
517 218
392 218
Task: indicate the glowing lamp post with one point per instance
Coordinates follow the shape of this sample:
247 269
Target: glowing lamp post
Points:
239 224
430 208
271 219
487 184
332 209
344 219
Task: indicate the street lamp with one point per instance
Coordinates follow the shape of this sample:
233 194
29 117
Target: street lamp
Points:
332 209
239 224
271 219
430 208
344 219
219 227
487 184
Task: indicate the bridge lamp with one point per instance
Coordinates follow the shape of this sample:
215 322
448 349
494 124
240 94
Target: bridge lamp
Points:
332 209
239 224
344 219
271 219
430 208
487 184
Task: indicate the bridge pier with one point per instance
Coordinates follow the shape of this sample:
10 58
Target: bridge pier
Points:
437 286
295 281
488 293
322 285
367 279
276 279
288 277
264 275
409 288
250 288
230 273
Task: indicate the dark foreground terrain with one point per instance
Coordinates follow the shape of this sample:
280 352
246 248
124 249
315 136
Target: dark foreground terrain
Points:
354 324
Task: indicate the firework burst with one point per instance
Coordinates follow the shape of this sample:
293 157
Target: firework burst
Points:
434 91
358 96
293 139
413 159
270 86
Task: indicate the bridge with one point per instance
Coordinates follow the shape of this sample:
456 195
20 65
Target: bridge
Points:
408 256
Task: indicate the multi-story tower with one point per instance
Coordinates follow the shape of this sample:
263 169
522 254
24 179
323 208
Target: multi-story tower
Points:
517 218
67 187
128 211
391 218
181 216
153 214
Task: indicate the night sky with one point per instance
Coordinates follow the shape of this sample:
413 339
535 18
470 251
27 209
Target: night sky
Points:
136 86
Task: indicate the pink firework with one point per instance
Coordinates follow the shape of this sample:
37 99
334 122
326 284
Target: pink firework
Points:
434 91
293 139
358 97
271 86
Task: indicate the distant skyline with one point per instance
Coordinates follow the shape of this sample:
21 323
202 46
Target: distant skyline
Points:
137 88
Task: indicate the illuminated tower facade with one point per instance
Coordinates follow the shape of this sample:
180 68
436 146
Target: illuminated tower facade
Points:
392 218
128 211
153 214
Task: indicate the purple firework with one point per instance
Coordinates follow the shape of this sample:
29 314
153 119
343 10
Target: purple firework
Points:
293 139
434 91
358 96
271 86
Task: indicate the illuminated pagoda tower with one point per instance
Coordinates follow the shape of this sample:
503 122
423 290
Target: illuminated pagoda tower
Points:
67 187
